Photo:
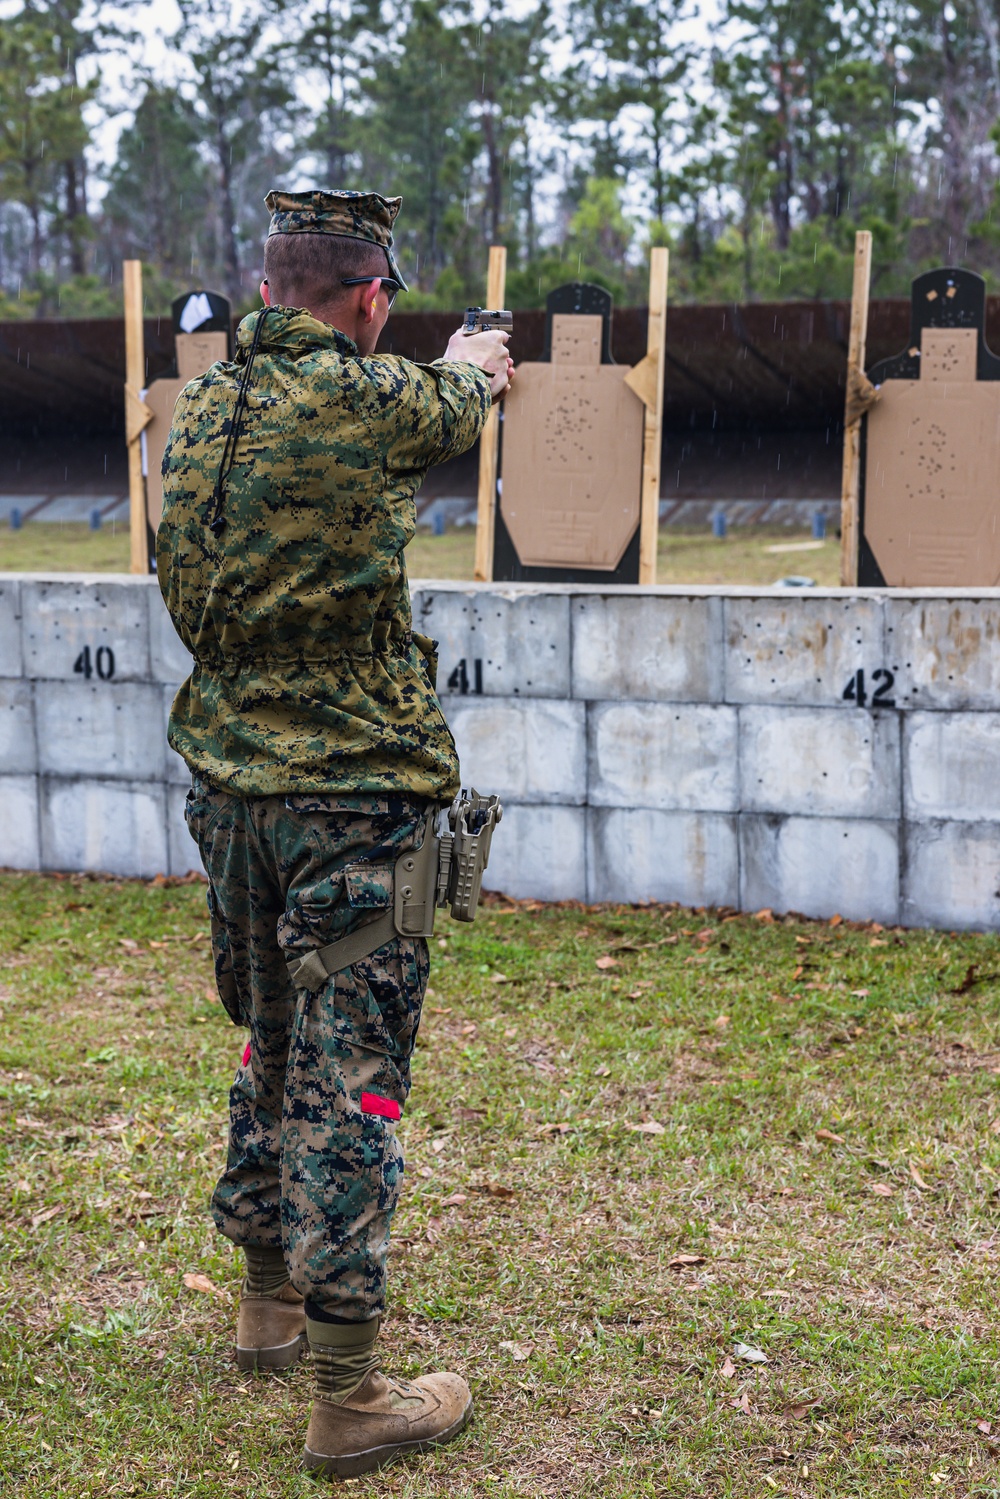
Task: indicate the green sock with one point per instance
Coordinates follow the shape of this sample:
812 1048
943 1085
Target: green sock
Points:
343 1353
266 1272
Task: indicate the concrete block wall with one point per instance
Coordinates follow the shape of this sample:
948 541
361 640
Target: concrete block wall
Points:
836 751
88 668
830 752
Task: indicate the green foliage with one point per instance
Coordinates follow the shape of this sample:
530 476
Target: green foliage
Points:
755 151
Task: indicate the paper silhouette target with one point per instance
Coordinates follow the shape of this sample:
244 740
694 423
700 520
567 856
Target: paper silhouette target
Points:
931 447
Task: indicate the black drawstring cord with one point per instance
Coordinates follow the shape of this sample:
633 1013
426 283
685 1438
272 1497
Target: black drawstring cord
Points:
218 522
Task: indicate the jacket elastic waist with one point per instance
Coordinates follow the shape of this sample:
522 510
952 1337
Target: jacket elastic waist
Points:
251 656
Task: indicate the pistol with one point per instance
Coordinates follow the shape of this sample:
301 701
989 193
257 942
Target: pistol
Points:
478 320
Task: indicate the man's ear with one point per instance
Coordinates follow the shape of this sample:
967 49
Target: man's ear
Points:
369 295
265 293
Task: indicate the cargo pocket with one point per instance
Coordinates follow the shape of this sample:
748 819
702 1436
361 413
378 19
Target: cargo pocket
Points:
225 974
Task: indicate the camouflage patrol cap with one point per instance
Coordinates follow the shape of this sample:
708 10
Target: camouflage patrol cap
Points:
324 211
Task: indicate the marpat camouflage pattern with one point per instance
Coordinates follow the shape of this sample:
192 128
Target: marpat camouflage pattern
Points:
323 211
307 677
314 1165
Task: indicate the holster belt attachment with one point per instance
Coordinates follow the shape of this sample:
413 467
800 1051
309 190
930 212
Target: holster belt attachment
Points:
445 869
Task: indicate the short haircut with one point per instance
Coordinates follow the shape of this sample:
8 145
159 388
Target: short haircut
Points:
305 270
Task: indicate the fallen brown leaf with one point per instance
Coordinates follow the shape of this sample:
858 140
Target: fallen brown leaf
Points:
919 1179
728 1368
972 978
454 1201
836 920
494 1189
985 1427
766 915
721 1022
519 1352
195 1280
651 1127
606 962
555 1129
882 1190
46 1216
798 1411
685 1259
827 1134
742 1404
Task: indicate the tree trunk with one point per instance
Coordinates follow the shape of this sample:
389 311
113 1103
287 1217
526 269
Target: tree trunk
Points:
494 194
230 252
73 218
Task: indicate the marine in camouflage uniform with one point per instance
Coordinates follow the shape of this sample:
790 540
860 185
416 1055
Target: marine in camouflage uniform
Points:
317 744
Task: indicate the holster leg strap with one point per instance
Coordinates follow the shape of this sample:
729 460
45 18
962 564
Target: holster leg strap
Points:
313 969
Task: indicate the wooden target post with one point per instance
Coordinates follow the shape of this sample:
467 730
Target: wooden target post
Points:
856 345
496 290
646 379
137 415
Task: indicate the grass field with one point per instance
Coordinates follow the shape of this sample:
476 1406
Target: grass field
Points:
684 556
636 1138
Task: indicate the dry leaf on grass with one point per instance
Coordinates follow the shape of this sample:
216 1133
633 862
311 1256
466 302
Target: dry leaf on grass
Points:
494 1189
721 1022
750 1354
195 1280
985 1427
46 1216
836 921
919 1179
650 1127
882 1190
555 1129
454 1201
742 1403
766 915
827 1134
606 962
680 1260
728 1369
603 1071
798 1411
519 1352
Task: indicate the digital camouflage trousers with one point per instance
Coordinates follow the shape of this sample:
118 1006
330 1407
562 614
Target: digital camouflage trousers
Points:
314 1163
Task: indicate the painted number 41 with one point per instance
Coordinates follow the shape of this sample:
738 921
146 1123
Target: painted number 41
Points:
856 692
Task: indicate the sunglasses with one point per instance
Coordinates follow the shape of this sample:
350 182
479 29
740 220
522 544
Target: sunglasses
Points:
388 284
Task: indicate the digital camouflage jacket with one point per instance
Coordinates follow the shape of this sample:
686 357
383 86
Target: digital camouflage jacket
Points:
306 674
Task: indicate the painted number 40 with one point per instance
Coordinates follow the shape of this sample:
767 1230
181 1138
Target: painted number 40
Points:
856 692
103 662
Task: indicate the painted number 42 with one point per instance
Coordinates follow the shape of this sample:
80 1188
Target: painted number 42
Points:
856 692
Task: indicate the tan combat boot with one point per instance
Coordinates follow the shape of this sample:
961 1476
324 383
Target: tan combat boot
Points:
271 1330
357 1425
